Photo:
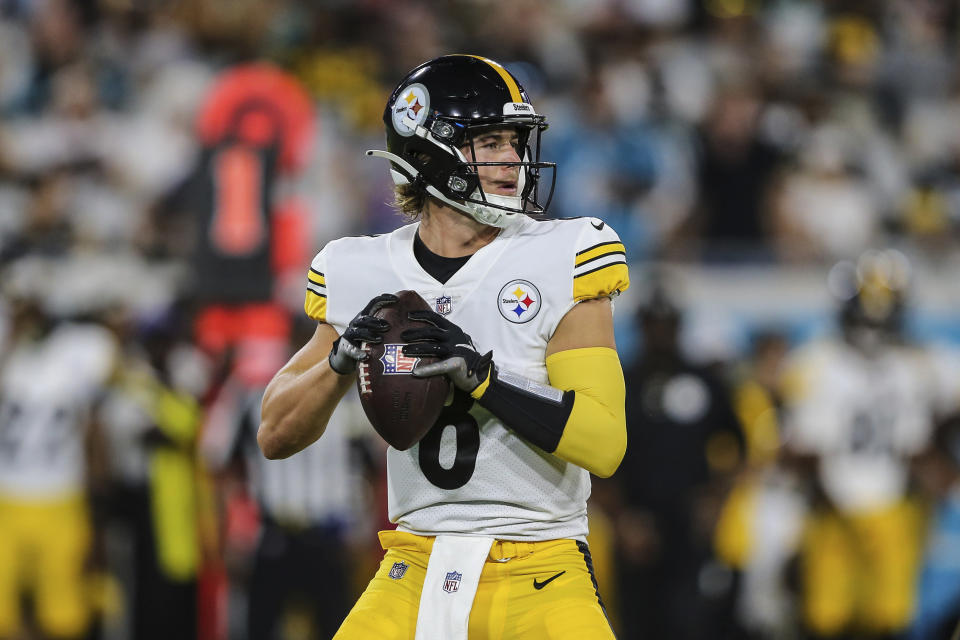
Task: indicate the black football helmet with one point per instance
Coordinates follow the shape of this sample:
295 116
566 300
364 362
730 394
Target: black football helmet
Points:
440 107
875 311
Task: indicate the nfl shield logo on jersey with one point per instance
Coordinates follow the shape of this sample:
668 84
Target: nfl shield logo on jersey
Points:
394 362
398 570
444 305
452 582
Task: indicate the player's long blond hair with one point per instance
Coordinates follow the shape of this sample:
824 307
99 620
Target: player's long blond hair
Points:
409 202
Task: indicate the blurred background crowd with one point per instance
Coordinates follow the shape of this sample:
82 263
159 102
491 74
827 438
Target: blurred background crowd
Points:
785 175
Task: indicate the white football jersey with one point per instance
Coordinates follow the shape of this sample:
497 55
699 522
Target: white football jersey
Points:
863 417
470 474
46 391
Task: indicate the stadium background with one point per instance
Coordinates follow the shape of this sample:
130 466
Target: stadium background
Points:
749 153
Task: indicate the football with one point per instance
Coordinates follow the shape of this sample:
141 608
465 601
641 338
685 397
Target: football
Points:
400 407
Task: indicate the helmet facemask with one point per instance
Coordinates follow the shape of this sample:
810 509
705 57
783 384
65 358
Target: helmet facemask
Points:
431 160
500 209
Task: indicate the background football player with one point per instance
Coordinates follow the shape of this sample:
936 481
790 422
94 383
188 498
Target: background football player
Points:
491 525
857 407
51 460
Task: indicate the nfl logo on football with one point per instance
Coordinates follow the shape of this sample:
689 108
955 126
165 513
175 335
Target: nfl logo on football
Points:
398 570
444 305
394 362
452 583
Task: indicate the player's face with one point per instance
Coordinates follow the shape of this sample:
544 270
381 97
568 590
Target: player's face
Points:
497 145
869 340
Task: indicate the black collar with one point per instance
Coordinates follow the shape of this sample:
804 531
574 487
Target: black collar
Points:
440 267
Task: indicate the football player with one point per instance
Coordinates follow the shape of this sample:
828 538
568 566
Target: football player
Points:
490 505
857 408
51 466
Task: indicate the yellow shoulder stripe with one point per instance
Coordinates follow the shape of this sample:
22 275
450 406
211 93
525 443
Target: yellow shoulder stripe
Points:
598 251
316 277
316 306
600 282
511 83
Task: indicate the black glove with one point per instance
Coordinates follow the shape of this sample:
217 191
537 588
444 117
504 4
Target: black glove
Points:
346 351
459 359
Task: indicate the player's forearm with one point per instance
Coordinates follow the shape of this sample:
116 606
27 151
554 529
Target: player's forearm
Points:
594 437
579 419
297 405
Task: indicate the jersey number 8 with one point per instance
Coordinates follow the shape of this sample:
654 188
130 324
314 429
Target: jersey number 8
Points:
458 416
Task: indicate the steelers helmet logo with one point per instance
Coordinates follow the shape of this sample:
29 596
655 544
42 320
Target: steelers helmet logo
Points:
410 109
519 301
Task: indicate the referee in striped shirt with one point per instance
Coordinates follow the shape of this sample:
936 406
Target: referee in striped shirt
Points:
311 506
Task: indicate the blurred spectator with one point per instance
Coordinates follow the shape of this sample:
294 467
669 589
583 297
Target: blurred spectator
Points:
686 445
823 210
929 214
611 157
45 229
735 170
51 462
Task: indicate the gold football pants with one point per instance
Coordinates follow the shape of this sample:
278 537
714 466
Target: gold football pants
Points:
859 570
543 590
43 547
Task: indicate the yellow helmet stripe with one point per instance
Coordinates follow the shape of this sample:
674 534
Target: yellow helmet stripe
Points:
511 83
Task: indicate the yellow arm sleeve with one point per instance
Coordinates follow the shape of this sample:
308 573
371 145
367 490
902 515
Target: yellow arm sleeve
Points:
595 436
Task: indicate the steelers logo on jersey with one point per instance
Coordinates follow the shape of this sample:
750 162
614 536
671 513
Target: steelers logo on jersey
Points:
519 301
410 109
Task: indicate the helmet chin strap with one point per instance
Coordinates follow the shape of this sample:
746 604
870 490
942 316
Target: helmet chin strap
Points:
481 213
491 215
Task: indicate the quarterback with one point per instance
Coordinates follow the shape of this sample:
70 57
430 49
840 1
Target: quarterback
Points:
490 505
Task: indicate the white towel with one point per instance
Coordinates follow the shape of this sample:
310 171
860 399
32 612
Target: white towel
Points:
453 573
